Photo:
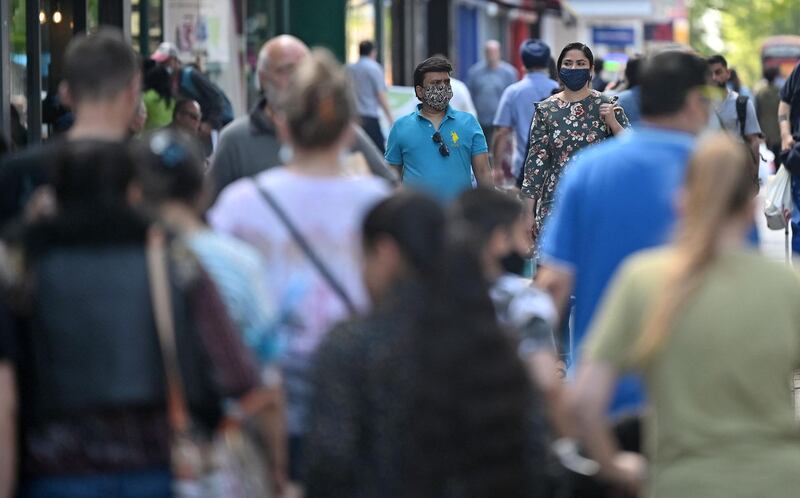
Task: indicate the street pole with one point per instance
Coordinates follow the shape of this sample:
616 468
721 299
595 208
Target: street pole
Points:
379 28
79 16
144 27
286 17
5 68
33 36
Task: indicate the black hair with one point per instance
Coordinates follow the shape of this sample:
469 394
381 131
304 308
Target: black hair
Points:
366 47
771 73
431 65
575 46
416 223
632 71
93 175
736 83
484 210
598 64
181 104
99 66
718 59
170 167
474 405
159 80
666 80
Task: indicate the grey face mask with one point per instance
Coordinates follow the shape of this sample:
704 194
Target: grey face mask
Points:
438 96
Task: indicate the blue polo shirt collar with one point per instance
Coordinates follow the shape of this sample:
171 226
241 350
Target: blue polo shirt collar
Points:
451 113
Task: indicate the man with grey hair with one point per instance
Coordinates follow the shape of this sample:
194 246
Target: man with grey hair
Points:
486 81
250 144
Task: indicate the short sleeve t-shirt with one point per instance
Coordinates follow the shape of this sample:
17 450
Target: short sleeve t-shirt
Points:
159 110
425 168
328 211
516 110
617 198
238 272
722 420
730 119
486 86
368 82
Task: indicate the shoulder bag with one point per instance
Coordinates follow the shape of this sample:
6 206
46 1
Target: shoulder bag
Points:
230 463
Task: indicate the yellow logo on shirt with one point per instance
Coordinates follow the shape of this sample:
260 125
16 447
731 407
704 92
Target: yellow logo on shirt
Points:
454 137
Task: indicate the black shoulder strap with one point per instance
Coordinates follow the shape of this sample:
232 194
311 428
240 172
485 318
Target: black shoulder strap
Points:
741 113
306 248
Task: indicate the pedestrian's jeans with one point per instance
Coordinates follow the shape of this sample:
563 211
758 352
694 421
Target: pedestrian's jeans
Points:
154 483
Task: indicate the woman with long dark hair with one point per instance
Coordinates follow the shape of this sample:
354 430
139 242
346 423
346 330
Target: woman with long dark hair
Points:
564 124
425 396
158 97
714 329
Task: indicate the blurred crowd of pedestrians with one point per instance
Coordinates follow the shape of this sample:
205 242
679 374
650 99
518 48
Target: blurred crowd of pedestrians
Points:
558 295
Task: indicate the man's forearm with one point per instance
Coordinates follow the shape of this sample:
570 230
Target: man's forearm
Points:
499 140
784 110
755 147
485 177
398 168
483 171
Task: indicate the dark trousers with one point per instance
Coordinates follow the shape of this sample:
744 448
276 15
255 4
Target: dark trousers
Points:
156 483
373 128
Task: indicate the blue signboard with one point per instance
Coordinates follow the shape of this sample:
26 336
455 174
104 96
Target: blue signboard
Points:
618 37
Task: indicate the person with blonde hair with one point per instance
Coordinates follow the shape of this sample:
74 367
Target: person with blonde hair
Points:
304 219
690 318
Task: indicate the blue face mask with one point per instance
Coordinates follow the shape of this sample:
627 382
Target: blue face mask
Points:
574 79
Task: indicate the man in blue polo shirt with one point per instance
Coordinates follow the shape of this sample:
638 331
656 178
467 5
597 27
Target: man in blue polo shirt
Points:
518 103
437 149
619 197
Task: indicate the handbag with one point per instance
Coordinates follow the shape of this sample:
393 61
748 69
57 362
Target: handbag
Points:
778 200
227 464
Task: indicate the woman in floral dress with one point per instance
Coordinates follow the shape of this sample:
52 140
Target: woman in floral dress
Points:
564 124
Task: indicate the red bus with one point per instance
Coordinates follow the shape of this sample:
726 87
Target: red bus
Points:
782 52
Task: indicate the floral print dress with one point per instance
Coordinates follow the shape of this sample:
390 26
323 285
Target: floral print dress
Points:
559 130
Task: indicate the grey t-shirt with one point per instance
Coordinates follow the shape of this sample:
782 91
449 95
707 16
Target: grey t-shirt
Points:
368 83
486 86
729 120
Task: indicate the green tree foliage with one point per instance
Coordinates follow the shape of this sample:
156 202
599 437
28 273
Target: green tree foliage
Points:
18 26
745 26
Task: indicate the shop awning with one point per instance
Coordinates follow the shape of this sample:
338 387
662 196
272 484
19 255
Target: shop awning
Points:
610 8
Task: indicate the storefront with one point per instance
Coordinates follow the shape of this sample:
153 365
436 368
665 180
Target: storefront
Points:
33 35
222 36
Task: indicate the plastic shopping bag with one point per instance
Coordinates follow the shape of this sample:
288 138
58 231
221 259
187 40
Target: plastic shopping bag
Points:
778 200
